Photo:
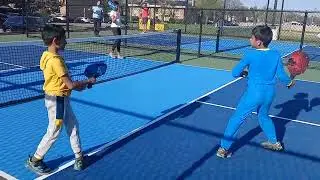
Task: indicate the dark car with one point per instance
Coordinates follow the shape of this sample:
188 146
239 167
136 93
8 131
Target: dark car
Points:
3 18
229 23
20 23
224 23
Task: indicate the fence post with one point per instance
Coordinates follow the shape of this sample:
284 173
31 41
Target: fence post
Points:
126 18
303 29
154 15
25 16
281 16
267 12
200 33
68 17
185 16
274 13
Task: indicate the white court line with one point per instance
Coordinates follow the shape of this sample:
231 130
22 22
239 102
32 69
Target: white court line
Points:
138 129
6 176
72 61
12 64
22 43
278 117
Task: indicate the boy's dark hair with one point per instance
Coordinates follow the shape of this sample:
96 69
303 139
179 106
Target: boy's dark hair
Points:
116 3
51 31
263 33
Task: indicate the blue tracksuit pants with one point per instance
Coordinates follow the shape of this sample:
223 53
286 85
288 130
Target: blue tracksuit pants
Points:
256 98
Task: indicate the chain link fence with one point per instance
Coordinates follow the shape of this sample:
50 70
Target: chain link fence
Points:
206 31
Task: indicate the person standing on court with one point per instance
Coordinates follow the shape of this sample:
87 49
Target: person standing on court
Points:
264 67
144 15
97 16
57 87
116 30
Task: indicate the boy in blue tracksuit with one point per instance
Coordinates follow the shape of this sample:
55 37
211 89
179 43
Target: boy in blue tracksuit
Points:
264 66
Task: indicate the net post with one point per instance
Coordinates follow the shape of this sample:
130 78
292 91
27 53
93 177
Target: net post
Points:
303 29
218 38
178 49
200 33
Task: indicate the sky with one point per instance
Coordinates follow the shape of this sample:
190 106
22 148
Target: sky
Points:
288 4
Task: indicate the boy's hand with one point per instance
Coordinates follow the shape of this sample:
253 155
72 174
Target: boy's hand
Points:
92 80
291 84
81 87
244 74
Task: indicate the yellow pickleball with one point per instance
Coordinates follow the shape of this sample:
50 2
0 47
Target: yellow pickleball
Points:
59 122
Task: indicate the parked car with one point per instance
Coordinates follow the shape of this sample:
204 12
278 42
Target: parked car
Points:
3 18
58 19
82 20
229 23
226 23
19 23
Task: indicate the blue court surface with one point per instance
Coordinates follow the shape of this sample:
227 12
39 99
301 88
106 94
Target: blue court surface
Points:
166 124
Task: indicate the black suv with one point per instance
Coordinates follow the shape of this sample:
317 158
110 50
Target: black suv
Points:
3 18
19 23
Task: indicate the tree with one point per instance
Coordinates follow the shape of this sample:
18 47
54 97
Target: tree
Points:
234 4
209 4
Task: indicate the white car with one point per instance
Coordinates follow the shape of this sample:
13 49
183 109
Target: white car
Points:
82 20
58 19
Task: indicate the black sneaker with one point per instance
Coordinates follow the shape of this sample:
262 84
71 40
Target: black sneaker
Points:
78 164
223 153
274 147
38 167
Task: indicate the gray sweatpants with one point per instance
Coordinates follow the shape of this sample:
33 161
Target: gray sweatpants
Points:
53 131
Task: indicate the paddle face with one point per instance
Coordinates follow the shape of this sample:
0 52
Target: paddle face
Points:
95 70
298 63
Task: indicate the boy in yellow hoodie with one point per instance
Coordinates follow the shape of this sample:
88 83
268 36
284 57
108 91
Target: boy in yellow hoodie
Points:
57 87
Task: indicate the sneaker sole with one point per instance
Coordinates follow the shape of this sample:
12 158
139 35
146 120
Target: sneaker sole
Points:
224 157
272 148
35 171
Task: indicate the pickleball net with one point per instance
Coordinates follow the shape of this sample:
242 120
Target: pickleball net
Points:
21 78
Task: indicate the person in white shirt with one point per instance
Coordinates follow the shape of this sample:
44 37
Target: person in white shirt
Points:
116 30
97 16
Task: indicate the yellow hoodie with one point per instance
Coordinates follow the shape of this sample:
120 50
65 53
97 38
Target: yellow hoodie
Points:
54 68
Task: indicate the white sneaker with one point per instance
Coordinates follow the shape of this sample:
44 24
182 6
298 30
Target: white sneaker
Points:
111 55
119 56
223 153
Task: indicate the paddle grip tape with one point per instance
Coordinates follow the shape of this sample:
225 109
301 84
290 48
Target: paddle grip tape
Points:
59 110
